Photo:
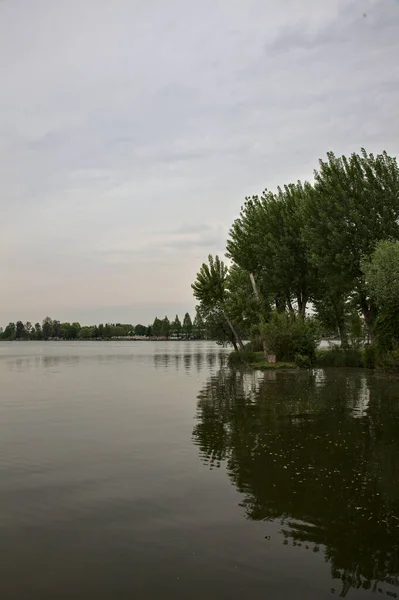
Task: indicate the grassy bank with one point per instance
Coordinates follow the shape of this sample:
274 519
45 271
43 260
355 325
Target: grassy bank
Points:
366 357
360 358
336 357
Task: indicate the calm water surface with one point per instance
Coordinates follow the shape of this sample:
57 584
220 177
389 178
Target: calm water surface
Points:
149 470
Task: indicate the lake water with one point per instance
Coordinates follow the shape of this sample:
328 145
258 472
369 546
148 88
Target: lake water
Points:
148 470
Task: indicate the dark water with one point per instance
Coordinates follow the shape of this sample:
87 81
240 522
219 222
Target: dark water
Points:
139 470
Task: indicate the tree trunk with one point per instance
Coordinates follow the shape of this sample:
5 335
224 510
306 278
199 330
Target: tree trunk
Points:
290 307
342 329
338 306
302 302
254 287
257 296
280 303
236 336
369 312
343 334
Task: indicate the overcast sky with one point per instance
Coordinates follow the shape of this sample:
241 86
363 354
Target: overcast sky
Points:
131 132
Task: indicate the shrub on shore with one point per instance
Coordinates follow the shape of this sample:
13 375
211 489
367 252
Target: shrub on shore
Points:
302 361
236 358
339 357
369 357
289 337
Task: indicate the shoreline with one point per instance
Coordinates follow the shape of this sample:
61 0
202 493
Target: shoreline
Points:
118 339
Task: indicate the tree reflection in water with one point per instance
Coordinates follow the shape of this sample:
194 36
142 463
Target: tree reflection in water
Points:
320 454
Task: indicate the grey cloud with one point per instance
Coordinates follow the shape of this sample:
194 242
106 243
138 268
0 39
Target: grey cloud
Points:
187 228
131 132
338 33
165 245
209 241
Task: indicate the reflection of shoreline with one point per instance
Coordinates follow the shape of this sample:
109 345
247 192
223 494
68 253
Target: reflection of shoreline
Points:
318 454
186 361
44 361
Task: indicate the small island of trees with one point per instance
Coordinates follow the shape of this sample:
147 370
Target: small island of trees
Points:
314 260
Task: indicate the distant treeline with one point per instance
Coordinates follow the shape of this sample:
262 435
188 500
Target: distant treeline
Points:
53 329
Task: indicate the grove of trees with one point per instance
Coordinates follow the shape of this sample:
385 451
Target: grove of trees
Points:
322 253
53 329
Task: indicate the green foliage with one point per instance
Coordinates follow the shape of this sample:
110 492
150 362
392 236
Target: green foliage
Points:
390 360
216 328
38 334
187 325
338 357
242 358
157 327
255 345
242 306
9 332
356 330
332 308
20 333
165 327
211 290
381 272
176 326
288 336
312 243
70 331
85 333
199 326
53 329
369 356
267 240
47 328
140 330
56 331
326 318
302 361
354 204
210 285
387 330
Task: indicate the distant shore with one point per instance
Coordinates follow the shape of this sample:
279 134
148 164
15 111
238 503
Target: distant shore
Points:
116 339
